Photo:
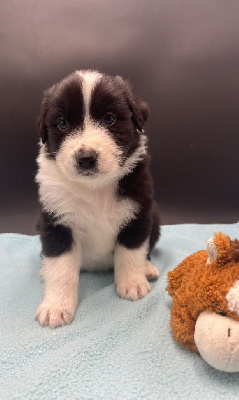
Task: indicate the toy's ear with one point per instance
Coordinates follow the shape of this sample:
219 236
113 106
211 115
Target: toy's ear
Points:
235 250
211 250
219 249
138 107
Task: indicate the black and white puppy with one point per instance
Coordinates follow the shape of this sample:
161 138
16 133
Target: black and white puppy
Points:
95 190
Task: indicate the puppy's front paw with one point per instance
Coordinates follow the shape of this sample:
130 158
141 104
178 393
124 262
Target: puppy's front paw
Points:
132 289
151 271
54 314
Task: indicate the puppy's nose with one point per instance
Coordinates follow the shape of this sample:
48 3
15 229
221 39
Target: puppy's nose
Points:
87 163
86 160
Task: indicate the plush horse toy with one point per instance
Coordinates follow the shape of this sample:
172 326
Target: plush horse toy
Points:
205 303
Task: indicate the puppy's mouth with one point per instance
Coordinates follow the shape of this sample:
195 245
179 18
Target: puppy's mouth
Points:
89 173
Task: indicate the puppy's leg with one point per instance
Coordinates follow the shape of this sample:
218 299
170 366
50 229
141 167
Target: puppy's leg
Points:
132 251
130 265
60 272
150 270
61 277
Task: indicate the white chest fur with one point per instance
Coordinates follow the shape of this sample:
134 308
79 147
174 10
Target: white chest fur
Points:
95 216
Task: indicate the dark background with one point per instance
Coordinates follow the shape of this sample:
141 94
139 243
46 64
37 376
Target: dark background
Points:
181 56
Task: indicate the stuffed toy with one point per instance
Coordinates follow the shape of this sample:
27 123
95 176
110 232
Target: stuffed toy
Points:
205 303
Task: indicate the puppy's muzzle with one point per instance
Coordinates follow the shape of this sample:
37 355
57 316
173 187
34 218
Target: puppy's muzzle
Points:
87 162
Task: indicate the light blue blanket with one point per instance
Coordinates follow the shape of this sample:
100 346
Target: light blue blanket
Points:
114 349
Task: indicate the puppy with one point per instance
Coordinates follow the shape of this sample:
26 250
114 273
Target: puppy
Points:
95 190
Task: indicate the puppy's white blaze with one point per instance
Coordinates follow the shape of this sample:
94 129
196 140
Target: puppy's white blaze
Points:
233 298
130 265
89 79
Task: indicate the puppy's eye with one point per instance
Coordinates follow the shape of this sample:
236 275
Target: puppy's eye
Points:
109 119
63 124
223 314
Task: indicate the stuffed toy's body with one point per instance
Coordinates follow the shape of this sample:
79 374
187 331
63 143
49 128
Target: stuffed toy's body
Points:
205 306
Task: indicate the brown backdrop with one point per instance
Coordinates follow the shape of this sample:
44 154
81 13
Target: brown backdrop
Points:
181 56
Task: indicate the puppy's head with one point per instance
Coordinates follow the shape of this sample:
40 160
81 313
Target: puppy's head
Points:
91 125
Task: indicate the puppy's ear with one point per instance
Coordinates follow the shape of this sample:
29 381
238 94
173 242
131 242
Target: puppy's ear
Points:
41 123
138 107
140 110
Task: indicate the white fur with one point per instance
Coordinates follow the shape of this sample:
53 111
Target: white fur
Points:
151 271
130 272
92 138
61 276
89 79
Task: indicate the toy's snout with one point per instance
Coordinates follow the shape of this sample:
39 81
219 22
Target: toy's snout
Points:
217 340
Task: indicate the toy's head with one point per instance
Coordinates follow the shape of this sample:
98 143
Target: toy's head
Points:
205 311
218 290
217 331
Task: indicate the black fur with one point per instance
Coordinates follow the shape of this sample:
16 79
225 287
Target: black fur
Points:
138 186
56 238
64 99
114 95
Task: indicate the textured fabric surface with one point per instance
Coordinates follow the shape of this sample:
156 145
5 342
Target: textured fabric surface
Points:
114 349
